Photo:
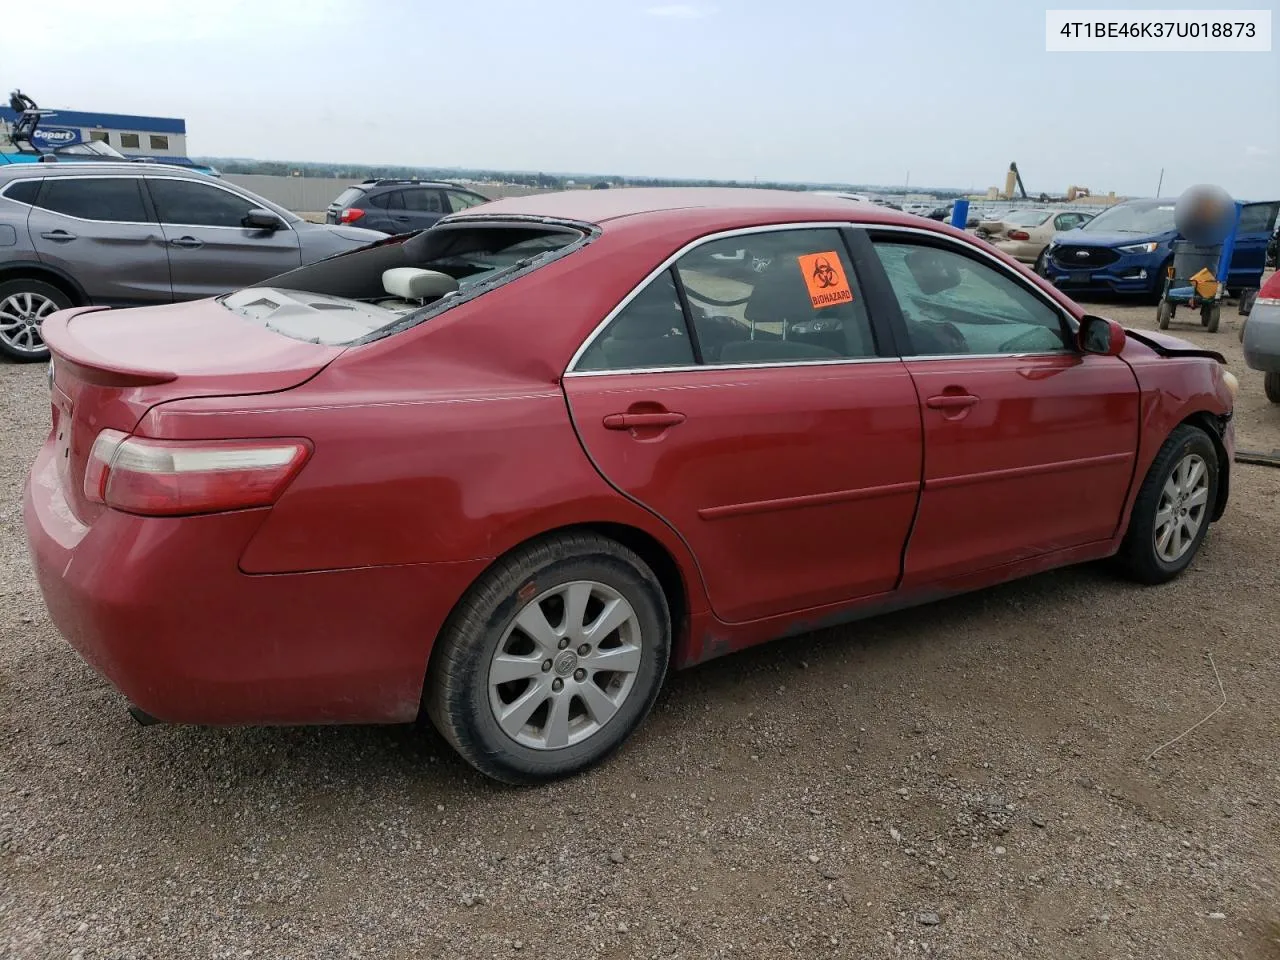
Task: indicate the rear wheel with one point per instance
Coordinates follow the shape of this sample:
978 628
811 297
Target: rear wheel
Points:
1171 514
1164 314
24 305
1271 384
553 658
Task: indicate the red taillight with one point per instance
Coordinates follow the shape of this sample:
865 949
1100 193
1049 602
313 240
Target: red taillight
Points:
1019 235
350 215
176 477
1270 290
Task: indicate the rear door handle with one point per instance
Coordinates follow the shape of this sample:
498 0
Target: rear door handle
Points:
629 421
189 242
951 401
58 236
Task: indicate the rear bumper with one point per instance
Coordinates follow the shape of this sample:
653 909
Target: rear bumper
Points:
159 607
1020 250
1262 338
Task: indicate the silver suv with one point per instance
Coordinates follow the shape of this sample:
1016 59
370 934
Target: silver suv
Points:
107 233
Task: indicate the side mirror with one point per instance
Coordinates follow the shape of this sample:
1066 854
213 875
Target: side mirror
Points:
1101 336
259 219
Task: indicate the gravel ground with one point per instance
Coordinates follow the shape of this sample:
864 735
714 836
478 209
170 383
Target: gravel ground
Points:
966 780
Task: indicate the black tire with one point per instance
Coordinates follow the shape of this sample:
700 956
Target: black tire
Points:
1137 558
1240 333
1210 316
1164 314
1271 385
1039 266
456 693
9 345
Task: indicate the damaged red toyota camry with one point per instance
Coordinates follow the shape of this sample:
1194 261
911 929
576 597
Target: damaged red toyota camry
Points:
510 470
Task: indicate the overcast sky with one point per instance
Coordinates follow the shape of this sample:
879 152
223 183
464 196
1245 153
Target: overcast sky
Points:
849 90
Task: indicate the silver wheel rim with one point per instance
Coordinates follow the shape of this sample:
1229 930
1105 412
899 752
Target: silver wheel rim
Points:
21 315
565 665
1181 512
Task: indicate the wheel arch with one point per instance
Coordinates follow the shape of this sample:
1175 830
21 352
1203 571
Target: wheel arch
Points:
31 270
672 578
1213 425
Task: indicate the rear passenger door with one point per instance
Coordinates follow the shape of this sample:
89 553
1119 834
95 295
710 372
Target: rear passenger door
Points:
101 232
422 207
210 250
761 417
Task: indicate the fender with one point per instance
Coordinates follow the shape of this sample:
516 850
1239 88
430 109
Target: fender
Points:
39 266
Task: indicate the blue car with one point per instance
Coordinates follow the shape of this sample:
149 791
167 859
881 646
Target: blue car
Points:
1128 249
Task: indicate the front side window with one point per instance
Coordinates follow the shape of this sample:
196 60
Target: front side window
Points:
782 296
187 203
954 305
1257 218
116 199
460 200
648 332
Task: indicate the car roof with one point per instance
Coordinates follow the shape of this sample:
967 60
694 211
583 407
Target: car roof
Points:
599 207
97 168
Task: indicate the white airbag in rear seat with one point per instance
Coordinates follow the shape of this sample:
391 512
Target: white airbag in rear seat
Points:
413 283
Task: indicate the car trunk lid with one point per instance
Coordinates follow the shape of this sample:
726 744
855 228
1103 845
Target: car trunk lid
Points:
109 368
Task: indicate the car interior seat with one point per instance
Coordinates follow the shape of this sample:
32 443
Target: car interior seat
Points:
411 287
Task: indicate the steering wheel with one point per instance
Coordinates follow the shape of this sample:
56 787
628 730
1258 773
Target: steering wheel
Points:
806 328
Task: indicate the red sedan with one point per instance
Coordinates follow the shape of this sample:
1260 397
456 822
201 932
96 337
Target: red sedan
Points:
511 469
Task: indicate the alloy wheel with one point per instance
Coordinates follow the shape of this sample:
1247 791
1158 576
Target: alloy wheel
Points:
1183 502
21 315
565 665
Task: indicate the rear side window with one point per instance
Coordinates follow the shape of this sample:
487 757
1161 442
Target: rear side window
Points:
648 332
422 201
460 200
24 191
1257 217
117 199
348 197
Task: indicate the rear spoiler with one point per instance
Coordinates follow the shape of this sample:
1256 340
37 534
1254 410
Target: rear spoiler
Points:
1166 351
87 365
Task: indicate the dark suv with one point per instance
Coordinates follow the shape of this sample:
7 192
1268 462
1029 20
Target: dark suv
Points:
399 206
135 234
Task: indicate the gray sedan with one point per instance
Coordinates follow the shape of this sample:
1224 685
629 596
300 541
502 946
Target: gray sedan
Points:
115 234
1261 336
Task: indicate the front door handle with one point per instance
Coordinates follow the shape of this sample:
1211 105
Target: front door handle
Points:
951 401
189 243
630 421
58 236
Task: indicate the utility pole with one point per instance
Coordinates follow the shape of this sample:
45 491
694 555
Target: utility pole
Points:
1160 184
906 187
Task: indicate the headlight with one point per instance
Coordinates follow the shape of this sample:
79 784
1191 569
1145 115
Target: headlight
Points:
1232 383
1140 247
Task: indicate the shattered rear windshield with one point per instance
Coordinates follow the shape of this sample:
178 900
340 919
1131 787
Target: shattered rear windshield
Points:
389 286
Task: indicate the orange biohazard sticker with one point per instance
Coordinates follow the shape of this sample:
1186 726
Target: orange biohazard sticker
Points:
824 276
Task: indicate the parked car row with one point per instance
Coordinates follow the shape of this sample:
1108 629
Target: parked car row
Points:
124 234
510 470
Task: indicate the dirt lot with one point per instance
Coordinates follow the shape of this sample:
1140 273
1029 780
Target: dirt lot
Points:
963 781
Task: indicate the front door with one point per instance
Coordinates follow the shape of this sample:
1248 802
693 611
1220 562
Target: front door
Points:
1249 259
1029 445
771 435
210 250
100 231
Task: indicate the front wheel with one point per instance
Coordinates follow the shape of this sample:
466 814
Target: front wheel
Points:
1271 384
1164 314
552 659
1171 514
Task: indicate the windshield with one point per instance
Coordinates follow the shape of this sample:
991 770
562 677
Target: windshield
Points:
394 284
1146 217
